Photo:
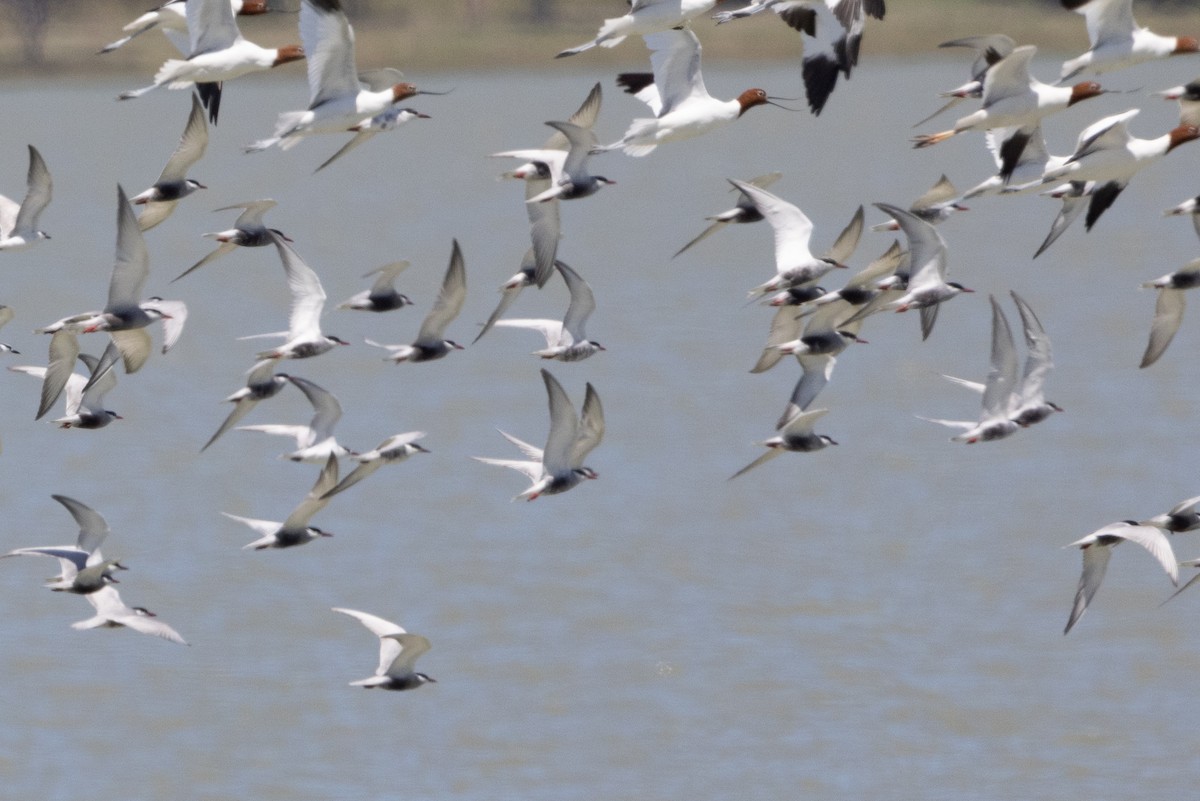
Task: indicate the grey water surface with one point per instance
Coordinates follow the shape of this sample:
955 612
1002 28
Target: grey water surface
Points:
881 619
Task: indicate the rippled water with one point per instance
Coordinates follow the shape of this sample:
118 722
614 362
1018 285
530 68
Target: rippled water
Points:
879 620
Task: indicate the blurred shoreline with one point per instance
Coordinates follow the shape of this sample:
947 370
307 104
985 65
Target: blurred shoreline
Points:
476 34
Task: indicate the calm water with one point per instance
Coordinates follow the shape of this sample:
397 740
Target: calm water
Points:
879 620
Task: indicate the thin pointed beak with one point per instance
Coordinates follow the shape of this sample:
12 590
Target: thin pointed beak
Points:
427 92
770 101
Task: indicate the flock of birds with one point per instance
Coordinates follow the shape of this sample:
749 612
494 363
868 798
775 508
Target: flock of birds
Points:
811 323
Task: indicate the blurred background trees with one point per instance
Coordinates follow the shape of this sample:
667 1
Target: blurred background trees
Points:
64 34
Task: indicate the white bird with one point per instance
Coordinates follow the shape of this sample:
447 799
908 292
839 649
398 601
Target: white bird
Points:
585 117
18 224
1168 310
989 49
248 231
1097 549
304 337
937 204
430 343
1188 97
544 218
93 528
927 285
124 317
398 653
171 19
6 315
826 335
1074 197
392 450
113 613
1013 98
744 212
683 108
796 435
315 442
1191 207
1182 517
863 287
566 340
387 120
262 382
794 262
1109 155
569 176
645 16
295 530
173 184
1117 40
1001 396
1025 173
85 393
339 96
836 27
382 296
513 286
217 52
80 576
559 466
1033 407
83 568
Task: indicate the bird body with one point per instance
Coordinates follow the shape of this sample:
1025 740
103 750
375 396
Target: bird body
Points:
836 27
794 262
927 285
796 435
1117 40
1182 517
339 97
304 338
430 343
113 613
315 442
217 52
1109 155
392 450
248 231
559 466
1168 310
382 296
1001 396
685 108
387 120
173 184
566 340
18 223
644 17
262 382
296 529
398 653
1013 98
1097 550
